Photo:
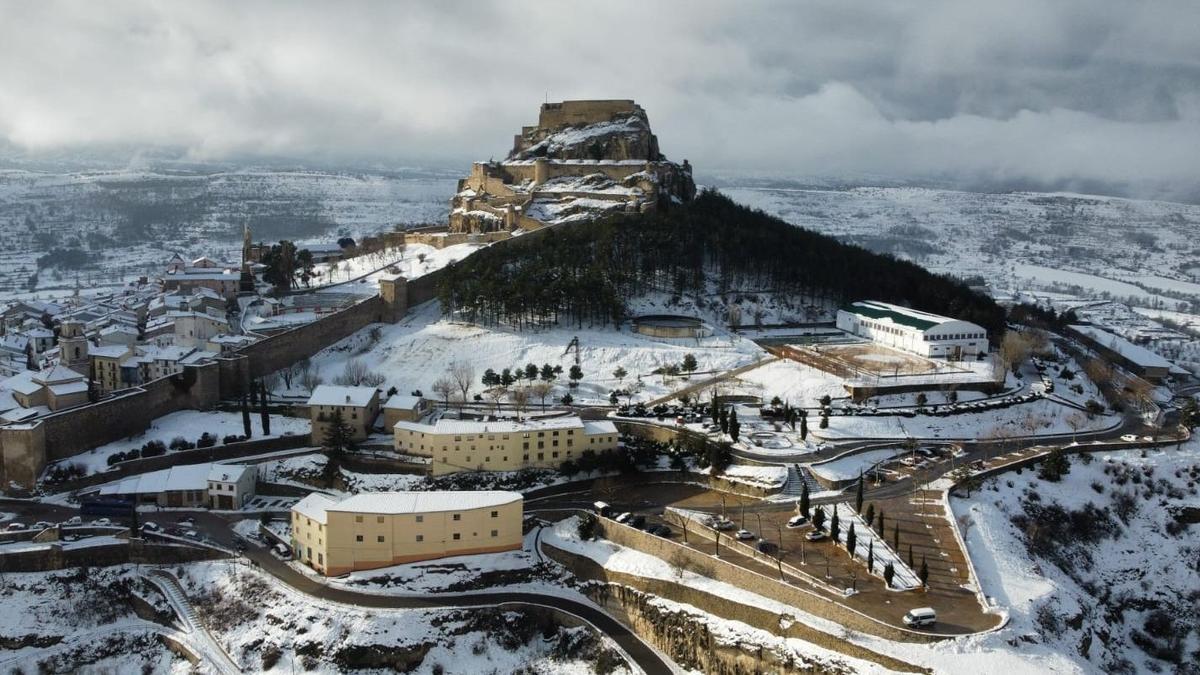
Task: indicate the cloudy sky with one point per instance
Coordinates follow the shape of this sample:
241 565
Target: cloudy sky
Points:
1094 94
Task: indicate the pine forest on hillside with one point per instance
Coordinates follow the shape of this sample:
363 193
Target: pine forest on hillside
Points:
586 273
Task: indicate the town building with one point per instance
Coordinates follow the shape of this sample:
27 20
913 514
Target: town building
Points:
106 367
508 445
56 387
216 486
359 407
913 330
1134 358
404 408
378 529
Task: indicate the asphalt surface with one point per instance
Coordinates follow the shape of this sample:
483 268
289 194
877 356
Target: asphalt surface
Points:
216 529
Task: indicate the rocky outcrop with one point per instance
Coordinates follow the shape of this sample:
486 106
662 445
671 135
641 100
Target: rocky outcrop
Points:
583 160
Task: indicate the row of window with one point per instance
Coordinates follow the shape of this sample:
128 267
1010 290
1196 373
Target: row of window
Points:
456 536
956 336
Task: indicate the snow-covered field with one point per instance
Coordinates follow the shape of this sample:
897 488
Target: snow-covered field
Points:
1084 566
851 466
416 352
795 383
1041 417
188 424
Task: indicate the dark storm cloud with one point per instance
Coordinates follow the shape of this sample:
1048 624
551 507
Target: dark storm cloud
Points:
1054 94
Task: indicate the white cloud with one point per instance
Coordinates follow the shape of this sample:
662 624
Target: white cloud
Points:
1017 92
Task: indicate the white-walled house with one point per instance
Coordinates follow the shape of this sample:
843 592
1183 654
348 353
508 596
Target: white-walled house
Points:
913 330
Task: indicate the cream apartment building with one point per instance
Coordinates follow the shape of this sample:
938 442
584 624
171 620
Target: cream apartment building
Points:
372 530
359 407
475 445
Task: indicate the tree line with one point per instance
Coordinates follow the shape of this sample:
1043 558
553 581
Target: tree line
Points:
587 273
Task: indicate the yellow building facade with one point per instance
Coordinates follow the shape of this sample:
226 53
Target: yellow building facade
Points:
471 445
372 530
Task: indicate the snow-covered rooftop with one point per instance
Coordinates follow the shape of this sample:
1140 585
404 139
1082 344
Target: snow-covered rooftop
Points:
328 394
452 426
425 502
1135 353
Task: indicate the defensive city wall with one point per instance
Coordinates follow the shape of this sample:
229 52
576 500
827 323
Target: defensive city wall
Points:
26 448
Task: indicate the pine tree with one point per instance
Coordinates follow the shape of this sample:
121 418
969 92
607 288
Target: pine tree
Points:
924 573
851 539
339 436
575 375
490 378
1055 466
889 572
824 421
858 495
835 528
547 373
804 499
689 364
531 372
265 414
871 557
246 417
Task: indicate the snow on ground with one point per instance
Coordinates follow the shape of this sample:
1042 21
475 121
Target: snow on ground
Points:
795 383
332 637
867 542
416 352
851 466
1097 580
417 260
1041 417
760 476
614 557
188 424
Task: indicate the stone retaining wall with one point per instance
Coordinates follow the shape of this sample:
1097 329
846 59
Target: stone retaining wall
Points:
55 557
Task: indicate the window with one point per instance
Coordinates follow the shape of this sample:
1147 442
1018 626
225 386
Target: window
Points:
358 519
457 536
358 538
495 514
457 516
379 519
541 455
525 446
420 519
420 538
554 455
541 444
495 533
379 539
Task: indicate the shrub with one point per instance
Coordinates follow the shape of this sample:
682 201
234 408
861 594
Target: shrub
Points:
206 440
587 527
180 443
154 449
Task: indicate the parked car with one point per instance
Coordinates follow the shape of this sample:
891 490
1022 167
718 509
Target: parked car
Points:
767 547
602 509
638 521
149 526
660 530
282 552
797 521
744 535
102 522
42 525
191 534
15 527
921 616
816 535
724 524
73 521
624 517
1129 438
188 522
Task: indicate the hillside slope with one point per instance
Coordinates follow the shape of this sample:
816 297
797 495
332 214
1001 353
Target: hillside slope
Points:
591 272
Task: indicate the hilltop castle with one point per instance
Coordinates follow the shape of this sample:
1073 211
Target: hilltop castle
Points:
584 159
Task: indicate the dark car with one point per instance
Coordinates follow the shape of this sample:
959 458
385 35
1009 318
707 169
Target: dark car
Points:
638 521
660 531
767 547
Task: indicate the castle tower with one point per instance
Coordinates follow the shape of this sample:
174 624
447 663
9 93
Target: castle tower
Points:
393 288
73 345
246 282
541 171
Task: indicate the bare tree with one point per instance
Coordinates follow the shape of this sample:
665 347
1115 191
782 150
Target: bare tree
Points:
353 374
1014 350
496 394
541 390
311 380
462 374
443 387
520 398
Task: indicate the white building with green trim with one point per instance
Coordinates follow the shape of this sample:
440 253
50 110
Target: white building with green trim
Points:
912 330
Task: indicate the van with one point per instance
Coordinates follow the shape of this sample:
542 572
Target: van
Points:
919 617
602 509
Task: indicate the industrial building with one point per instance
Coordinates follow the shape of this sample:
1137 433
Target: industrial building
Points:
913 330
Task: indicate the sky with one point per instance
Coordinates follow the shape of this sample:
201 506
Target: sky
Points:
1092 95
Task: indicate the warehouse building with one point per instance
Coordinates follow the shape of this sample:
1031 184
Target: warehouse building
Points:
1134 358
505 445
378 529
913 330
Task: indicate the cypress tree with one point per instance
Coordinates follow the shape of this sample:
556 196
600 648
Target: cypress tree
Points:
924 573
851 540
266 416
889 571
858 496
804 499
880 527
804 427
735 427
910 558
246 417
835 527
869 517
819 518
871 557
896 536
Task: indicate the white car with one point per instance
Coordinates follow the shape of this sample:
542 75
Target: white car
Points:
624 517
724 524
150 526
191 534
1129 438
15 527
42 525
102 522
744 535
73 521
797 521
